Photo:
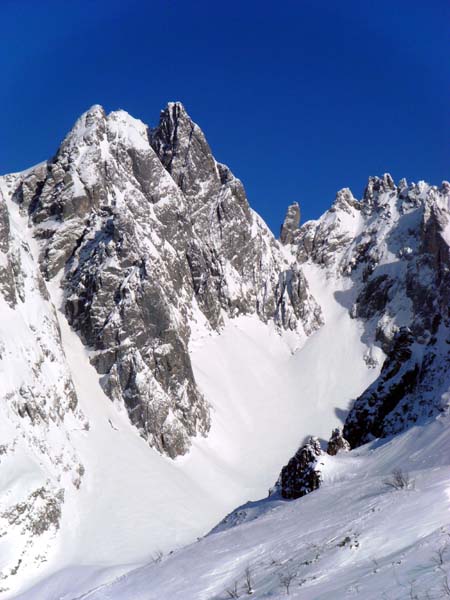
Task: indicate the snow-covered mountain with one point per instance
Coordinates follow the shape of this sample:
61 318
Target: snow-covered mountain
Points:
162 356
155 238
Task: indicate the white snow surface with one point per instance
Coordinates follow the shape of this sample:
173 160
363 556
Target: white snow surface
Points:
355 537
267 395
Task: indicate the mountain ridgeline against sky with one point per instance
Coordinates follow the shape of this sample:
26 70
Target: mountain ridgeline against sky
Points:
133 249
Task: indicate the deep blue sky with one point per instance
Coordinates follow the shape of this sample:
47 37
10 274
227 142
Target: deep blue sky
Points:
299 98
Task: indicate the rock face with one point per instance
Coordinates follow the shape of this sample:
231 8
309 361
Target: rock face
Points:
302 473
152 242
154 238
392 250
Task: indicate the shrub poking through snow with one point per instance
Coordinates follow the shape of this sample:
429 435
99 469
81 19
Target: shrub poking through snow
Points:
248 581
286 578
399 480
233 592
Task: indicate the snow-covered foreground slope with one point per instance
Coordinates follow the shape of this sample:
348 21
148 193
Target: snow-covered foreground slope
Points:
265 399
355 537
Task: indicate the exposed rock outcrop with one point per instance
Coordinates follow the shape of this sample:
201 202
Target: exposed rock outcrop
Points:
153 236
337 443
302 473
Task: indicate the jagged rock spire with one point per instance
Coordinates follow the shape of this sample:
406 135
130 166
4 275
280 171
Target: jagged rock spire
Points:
290 224
378 185
407 228
182 148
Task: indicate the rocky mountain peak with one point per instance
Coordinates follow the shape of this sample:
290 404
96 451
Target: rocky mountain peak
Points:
345 201
183 150
176 114
172 136
377 186
89 128
149 245
148 230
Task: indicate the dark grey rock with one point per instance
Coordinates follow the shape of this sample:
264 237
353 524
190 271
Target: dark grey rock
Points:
373 298
40 512
290 224
302 473
8 264
337 443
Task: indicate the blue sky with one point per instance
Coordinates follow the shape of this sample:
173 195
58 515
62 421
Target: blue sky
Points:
299 98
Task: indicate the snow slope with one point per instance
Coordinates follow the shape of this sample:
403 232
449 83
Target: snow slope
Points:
262 388
355 537
135 502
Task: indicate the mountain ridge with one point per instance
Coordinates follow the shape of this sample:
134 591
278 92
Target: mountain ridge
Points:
104 180
155 307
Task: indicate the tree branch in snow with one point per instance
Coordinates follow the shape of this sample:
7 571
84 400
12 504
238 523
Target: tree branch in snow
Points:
248 581
286 578
233 591
158 556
